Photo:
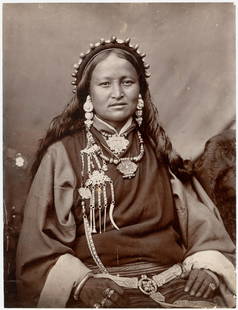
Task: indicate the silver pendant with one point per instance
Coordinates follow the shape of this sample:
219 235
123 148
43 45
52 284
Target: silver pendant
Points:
127 168
85 192
97 178
117 144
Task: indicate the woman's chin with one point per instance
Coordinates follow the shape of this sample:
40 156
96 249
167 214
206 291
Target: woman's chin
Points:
117 123
117 117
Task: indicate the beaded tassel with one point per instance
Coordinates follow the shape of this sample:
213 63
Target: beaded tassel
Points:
93 224
105 206
99 191
99 208
95 186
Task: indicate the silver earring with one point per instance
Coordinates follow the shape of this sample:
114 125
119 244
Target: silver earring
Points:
88 109
139 112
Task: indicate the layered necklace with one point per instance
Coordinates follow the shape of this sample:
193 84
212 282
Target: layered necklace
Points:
117 143
96 184
126 165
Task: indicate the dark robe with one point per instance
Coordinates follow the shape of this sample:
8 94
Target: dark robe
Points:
144 212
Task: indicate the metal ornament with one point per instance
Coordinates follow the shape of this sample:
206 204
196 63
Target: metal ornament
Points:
147 285
88 105
96 48
104 300
88 108
212 286
117 144
127 168
168 275
95 186
139 112
85 192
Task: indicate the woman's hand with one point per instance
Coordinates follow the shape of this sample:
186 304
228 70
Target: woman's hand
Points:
104 293
200 283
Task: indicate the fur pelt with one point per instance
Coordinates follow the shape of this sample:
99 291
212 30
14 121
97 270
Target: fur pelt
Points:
215 169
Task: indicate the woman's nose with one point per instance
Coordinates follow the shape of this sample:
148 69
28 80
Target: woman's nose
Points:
117 91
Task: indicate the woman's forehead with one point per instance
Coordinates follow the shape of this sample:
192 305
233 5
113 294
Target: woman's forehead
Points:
113 65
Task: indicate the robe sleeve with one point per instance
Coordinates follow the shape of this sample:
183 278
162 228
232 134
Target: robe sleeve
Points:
47 269
207 242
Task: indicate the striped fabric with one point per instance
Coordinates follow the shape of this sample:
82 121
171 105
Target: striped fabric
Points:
133 269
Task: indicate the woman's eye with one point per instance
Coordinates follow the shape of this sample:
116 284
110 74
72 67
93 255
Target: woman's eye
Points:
104 84
127 82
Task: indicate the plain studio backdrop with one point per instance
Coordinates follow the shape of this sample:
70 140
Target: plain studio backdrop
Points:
191 50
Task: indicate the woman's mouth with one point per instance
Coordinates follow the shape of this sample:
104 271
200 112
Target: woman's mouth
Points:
117 104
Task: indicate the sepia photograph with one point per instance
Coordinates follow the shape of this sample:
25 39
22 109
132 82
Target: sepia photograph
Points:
119 155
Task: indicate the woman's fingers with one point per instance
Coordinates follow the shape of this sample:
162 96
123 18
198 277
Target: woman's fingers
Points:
203 288
211 289
115 287
191 280
114 297
199 283
103 292
115 300
106 303
118 297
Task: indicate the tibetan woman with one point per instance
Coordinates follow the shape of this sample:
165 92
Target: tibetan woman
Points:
114 218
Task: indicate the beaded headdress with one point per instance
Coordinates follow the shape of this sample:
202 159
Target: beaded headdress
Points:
95 49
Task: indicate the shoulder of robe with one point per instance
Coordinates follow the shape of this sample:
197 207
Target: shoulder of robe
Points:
76 140
67 142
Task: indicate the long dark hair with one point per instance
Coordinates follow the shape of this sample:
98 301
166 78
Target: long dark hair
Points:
71 119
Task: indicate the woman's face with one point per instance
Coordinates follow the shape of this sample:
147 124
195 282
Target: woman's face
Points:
114 89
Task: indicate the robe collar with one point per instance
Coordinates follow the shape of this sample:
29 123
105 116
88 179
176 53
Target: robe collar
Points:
101 125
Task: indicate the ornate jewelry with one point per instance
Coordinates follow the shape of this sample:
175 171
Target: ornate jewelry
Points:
95 49
212 286
147 285
88 108
127 165
139 111
127 168
104 300
108 292
90 242
168 275
95 184
116 143
85 192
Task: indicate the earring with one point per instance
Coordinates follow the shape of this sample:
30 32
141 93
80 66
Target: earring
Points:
88 109
139 112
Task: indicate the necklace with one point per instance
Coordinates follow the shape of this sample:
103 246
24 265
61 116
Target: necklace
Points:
96 185
117 143
126 165
94 188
